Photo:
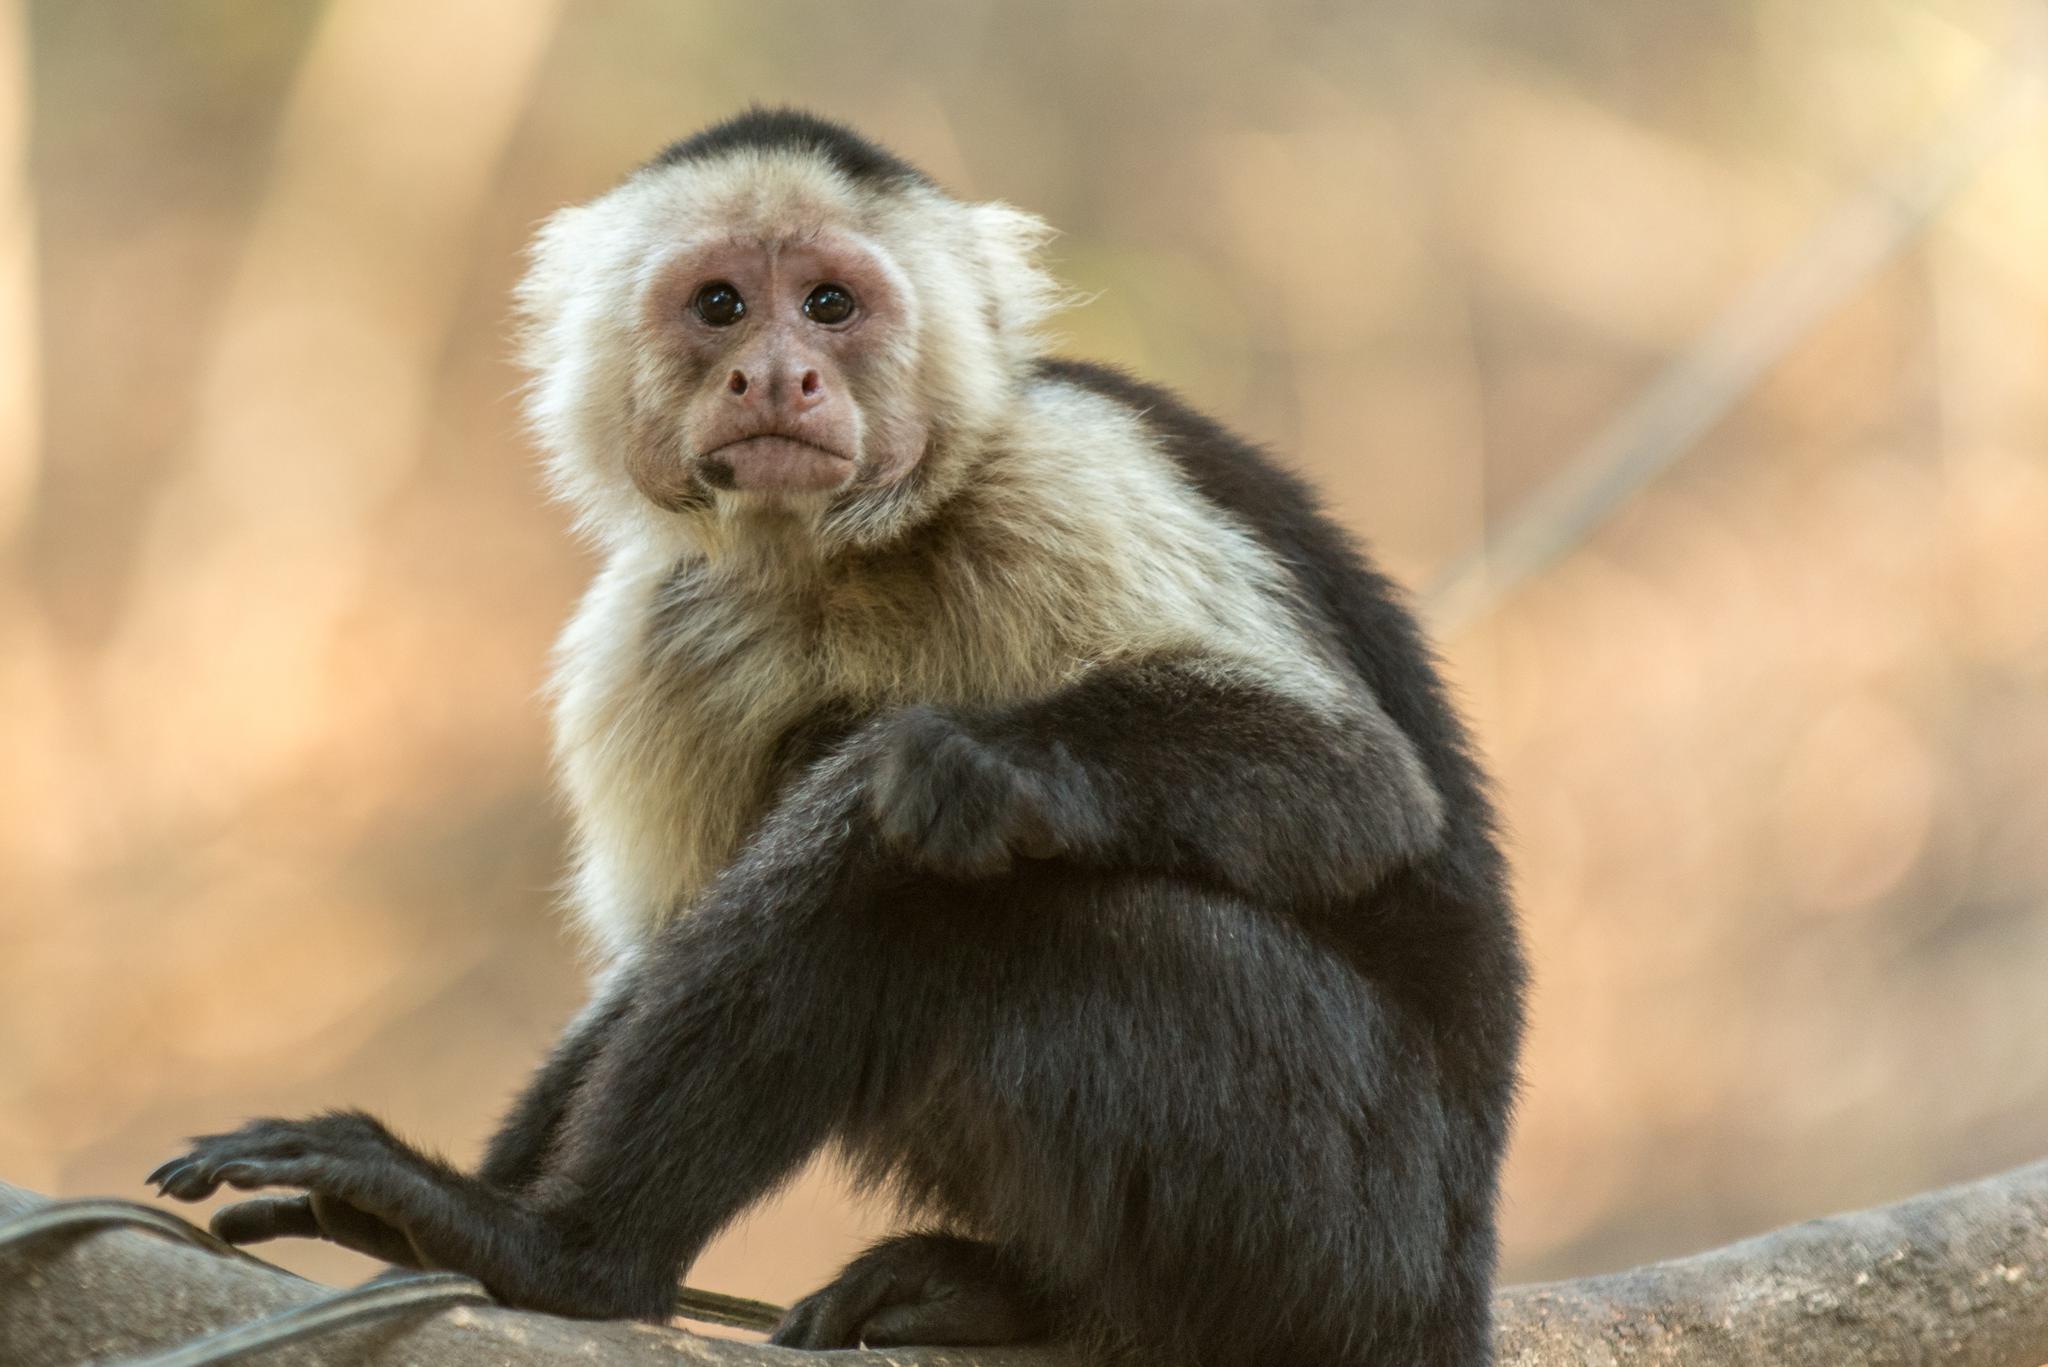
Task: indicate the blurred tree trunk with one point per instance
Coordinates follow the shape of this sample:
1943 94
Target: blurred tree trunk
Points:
1953 1277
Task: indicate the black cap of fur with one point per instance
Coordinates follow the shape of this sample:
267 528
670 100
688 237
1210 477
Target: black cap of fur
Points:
796 130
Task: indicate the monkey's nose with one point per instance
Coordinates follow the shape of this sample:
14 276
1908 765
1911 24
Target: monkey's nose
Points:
801 389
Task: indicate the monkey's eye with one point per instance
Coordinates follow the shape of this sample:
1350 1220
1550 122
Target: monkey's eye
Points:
829 304
719 304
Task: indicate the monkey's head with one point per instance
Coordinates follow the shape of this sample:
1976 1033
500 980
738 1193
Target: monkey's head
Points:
777 323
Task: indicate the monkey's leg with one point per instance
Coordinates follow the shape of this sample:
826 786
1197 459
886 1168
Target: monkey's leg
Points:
1225 1144
924 1288
715 1084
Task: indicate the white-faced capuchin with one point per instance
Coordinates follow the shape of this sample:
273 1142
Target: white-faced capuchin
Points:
987 766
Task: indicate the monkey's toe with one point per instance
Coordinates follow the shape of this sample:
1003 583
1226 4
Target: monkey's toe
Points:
917 1289
829 1317
961 1316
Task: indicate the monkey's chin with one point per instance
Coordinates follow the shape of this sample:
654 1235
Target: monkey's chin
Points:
777 465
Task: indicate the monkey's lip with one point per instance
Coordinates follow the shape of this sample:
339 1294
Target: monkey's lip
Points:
772 463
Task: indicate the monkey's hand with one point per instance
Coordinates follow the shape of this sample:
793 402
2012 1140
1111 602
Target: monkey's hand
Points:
361 1183
963 804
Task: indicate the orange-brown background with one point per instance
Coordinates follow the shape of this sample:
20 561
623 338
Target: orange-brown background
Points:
277 581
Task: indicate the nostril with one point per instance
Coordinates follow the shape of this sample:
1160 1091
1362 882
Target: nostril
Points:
736 382
812 384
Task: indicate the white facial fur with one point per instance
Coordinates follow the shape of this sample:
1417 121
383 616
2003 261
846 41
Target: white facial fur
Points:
977 293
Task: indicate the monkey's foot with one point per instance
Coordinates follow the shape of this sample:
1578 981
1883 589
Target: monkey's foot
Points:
918 1289
361 1183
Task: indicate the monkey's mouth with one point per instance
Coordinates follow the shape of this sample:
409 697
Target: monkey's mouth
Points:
776 464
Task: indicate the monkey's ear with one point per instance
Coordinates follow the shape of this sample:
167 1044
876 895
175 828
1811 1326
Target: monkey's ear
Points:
1022 293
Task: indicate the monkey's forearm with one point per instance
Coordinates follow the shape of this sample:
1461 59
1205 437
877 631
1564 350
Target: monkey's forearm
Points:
1174 766
714 1068
519 1149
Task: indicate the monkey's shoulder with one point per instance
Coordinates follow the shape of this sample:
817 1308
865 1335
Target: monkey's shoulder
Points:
1216 463
1339 594
1339 604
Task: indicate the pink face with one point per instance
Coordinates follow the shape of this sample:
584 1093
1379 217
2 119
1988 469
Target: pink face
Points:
779 360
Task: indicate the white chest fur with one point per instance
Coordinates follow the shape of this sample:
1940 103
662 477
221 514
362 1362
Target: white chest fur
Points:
675 680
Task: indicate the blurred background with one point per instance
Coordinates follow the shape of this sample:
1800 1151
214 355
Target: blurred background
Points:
1746 299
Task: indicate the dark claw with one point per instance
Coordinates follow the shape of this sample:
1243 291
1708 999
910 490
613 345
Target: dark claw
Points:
189 1181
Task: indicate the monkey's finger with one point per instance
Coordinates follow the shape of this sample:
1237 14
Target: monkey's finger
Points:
1032 833
267 1217
188 1180
161 1175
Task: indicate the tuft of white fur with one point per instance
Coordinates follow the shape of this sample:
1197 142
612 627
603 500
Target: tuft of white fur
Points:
1046 534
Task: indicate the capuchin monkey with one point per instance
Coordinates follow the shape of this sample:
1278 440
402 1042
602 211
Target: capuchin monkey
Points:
988 767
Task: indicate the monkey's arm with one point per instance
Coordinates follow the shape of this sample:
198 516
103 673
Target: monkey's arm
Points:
1177 765
737 1045
517 1154
519 1150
